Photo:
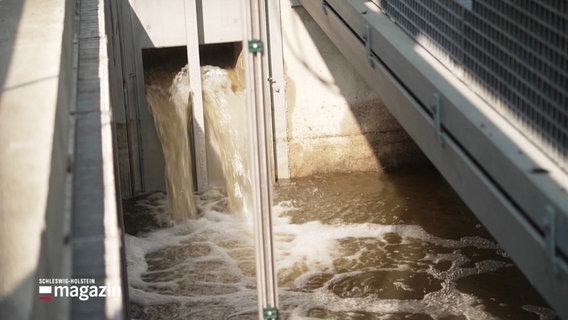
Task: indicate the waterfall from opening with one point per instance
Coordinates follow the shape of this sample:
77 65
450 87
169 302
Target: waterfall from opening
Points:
169 97
169 100
225 112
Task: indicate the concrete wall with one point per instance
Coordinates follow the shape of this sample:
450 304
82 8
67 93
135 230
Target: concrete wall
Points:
58 215
157 25
144 24
335 122
36 78
330 122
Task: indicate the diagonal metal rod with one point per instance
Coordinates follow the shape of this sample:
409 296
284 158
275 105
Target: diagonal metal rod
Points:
259 116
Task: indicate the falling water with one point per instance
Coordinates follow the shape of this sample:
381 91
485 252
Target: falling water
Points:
225 112
169 98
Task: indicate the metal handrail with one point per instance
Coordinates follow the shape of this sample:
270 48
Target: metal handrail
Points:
256 71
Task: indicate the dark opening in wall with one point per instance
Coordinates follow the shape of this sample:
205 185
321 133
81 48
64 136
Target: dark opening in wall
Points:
172 59
223 55
164 59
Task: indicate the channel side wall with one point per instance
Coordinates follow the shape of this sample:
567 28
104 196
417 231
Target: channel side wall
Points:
335 122
58 210
36 98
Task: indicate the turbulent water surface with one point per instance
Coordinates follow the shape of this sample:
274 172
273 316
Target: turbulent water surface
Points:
349 246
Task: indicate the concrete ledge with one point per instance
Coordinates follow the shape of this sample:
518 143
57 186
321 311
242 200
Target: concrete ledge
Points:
96 236
378 151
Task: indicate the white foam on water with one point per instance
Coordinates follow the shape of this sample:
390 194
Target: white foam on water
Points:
316 244
313 245
543 313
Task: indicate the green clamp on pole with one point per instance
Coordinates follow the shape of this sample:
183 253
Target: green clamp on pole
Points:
255 45
270 312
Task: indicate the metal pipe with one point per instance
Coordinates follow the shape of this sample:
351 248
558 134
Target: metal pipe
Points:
259 116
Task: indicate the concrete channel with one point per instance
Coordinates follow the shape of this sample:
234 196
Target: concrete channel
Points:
76 135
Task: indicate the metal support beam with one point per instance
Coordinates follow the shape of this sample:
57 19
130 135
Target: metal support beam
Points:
259 116
192 35
491 166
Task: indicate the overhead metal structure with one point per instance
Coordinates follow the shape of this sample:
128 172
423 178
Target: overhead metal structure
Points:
484 101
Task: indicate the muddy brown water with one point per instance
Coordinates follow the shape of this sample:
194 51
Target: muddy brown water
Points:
349 246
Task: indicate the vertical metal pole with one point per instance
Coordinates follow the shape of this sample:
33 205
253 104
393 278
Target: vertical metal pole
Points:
192 36
277 90
256 70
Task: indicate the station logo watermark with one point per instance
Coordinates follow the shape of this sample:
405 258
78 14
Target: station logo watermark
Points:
80 288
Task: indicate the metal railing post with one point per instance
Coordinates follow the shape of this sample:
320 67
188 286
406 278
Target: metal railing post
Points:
259 117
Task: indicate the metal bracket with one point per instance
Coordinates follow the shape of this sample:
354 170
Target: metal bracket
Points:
437 114
274 84
270 312
549 224
255 45
367 40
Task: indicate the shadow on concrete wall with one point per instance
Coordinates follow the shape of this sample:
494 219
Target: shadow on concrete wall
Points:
393 148
10 15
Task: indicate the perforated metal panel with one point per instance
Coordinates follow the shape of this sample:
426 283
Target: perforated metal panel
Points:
513 53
